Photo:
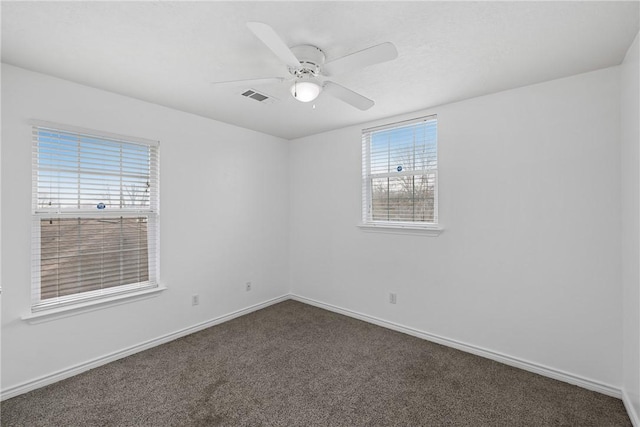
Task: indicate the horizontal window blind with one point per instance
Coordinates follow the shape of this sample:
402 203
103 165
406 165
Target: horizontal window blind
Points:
76 171
400 172
95 215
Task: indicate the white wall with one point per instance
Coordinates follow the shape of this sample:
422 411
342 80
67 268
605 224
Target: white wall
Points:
224 203
630 138
529 262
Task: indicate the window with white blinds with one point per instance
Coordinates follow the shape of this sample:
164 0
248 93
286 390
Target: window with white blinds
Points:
95 215
400 174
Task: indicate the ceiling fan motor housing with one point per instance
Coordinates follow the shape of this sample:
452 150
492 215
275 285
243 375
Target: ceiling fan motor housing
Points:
311 61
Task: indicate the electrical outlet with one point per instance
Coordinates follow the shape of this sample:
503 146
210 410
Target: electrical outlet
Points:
392 297
195 299
247 286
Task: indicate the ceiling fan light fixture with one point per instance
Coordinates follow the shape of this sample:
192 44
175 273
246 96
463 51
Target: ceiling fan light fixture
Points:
305 91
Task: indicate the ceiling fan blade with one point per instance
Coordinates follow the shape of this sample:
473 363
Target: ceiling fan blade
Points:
372 55
249 82
348 96
273 41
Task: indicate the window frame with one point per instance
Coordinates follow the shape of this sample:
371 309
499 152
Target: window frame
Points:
40 307
396 227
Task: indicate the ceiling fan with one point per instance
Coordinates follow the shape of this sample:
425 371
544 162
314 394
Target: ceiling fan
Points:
308 70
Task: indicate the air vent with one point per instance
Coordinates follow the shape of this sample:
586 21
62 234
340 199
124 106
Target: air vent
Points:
260 97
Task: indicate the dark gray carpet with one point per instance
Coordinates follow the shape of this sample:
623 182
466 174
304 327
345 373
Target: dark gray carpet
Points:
292 364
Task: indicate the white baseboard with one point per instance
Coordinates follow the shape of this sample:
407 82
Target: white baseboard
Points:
469 348
102 360
633 415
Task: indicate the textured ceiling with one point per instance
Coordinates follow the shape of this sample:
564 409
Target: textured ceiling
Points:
168 53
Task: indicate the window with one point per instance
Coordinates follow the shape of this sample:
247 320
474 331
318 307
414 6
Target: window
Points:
400 174
95 215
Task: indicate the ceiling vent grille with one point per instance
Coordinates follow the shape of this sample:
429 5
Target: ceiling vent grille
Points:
258 96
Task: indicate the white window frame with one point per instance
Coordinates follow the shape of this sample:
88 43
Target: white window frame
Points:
83 300
396 227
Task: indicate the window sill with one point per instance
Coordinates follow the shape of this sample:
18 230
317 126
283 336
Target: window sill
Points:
425 230
87 306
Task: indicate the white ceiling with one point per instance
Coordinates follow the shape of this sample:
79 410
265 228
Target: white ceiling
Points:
168 53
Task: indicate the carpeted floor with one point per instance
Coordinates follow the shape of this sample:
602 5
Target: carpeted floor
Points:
292 364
